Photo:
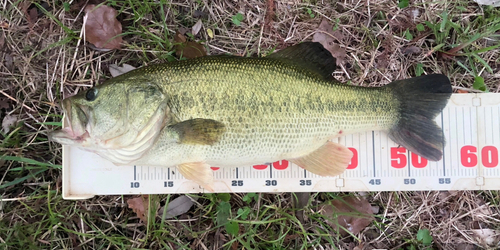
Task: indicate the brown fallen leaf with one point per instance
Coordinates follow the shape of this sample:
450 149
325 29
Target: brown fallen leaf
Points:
411 50
405 19
269 15
4 102
300 200
140 206
383 59
29 13
349 213
102 28
188 49
4 25
32 17
326 36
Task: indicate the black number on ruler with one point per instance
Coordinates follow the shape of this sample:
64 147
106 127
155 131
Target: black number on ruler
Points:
168 184
237 183
375 182
410 181
444 180
135 184
271 182
305 182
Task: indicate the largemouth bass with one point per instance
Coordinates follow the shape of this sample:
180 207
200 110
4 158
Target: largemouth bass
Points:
230 111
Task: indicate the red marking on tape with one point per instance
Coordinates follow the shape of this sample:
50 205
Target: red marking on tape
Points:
468 156
398 157
354 160
215 168
489 156
281 165
418 161
260 167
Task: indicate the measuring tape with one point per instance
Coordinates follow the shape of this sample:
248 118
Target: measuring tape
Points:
470 122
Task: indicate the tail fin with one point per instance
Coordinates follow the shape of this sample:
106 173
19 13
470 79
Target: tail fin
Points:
421 99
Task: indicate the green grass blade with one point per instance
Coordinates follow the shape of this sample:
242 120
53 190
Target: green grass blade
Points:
17 181
29 161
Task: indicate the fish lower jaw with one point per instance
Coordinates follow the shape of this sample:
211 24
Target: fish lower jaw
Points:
67 136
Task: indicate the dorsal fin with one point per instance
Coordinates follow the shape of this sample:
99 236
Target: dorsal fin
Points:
310 56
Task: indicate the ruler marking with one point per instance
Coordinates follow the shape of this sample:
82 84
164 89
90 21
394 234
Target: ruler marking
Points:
442 129
456 136
493 131
464 132
135 172
373 150
305 174
168 174
270 170
236 173
409 162
498 135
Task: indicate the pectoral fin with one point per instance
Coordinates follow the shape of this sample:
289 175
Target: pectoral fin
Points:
331 159
199 131
198 172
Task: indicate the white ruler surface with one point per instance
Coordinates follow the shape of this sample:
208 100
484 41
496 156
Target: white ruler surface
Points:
471 124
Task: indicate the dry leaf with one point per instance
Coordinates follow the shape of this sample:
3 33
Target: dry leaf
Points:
210 33
140 206
325 35
411 50
9 62
178 206
116 70
197 27
465 246
4 25
32 17
8 122
494 3
188 49
4 102
487 236
269 15
102 28
200 14
352 213
405 19
383 59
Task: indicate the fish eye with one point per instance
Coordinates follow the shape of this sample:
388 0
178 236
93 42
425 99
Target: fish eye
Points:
91 94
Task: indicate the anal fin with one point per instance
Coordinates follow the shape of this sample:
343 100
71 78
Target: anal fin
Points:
331 159
198 172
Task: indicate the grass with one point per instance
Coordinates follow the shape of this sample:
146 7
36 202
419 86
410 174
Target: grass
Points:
45 60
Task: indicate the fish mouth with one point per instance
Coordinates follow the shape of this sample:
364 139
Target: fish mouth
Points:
74 125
